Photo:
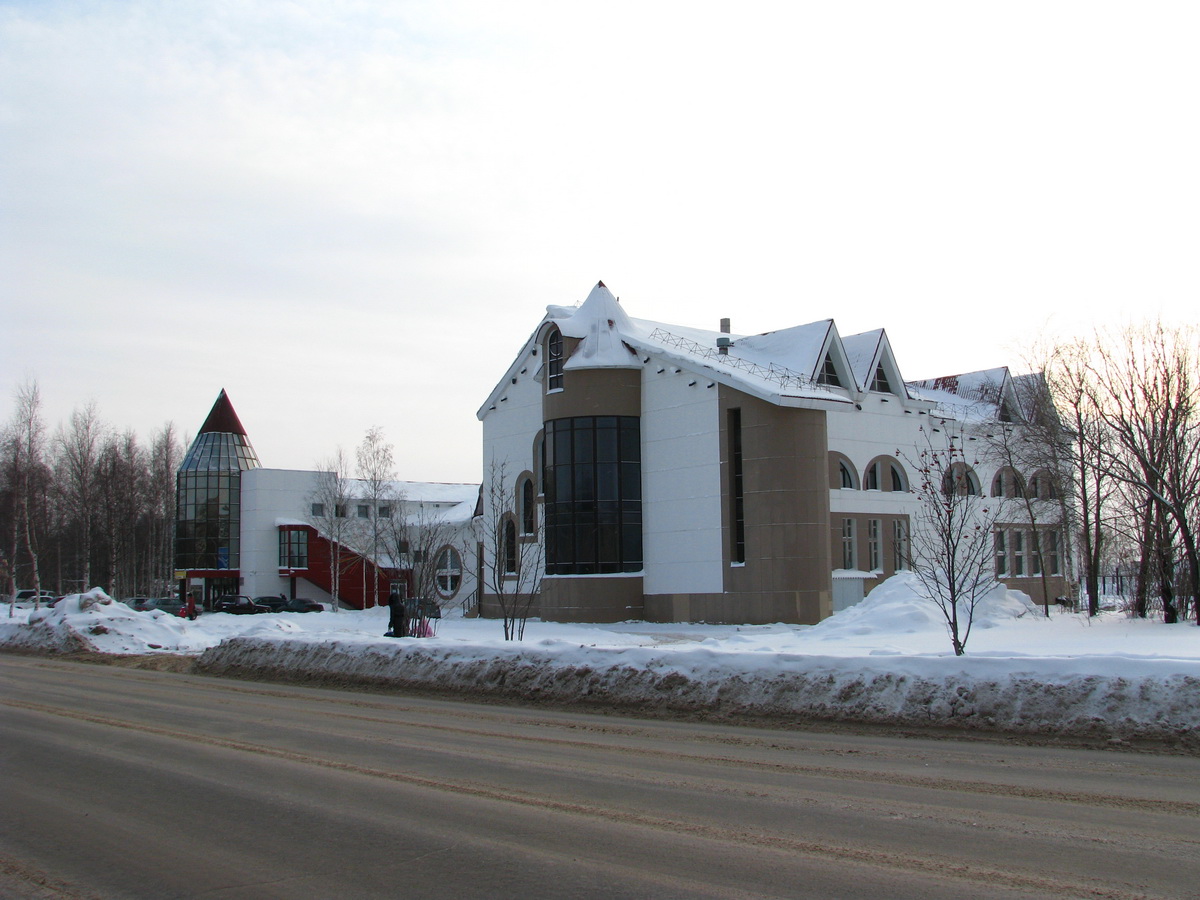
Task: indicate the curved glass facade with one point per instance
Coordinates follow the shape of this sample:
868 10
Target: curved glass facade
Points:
593 492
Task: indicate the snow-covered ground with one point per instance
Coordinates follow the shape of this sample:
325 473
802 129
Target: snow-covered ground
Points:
886 660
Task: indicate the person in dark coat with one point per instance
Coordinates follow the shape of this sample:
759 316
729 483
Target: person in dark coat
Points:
397 621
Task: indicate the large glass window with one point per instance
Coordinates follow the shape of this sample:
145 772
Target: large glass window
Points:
293 549
593 491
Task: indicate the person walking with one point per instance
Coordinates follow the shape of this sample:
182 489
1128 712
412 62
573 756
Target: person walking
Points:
397 621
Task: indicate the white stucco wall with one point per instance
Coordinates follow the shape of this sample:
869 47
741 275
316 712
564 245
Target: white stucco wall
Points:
267 496
681 485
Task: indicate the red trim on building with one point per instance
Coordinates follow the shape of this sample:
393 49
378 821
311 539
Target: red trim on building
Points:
359 577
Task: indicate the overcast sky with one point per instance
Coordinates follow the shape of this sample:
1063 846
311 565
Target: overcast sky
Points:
351 214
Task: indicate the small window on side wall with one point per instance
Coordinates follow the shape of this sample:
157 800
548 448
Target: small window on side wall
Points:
554 360
528 509
510 548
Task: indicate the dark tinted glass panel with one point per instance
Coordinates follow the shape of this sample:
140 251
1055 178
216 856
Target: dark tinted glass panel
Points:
593 514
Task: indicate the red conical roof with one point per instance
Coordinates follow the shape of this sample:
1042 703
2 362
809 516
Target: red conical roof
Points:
222 419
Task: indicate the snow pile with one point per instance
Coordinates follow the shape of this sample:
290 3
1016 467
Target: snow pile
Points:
887 661
1150 700
897 607
95 622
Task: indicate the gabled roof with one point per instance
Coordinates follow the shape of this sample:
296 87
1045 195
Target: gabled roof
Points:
862 351
783 367
800 348
870 351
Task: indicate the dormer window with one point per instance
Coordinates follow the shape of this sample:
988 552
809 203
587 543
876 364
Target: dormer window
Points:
554 360
829 375
880 383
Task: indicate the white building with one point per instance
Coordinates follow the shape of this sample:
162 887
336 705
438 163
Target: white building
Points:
244 529
676 474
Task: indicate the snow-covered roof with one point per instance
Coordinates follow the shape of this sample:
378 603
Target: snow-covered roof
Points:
982 395
862 350
784 367
778 366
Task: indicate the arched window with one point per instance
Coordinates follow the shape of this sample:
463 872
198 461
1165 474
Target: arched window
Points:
554 360
1007 483
1041 486
871 482
528 509
448 575
885 474
961 480
510 547
842 475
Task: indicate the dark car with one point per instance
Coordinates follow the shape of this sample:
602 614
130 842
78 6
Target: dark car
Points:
239 605
273 603
299 604
146 604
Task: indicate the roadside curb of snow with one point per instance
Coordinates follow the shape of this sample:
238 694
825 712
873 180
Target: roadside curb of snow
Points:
972 693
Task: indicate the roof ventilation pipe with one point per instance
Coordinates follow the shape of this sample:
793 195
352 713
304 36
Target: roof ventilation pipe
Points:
723 342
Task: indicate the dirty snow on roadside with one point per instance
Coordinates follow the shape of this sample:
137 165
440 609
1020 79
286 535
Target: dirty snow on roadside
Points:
886 660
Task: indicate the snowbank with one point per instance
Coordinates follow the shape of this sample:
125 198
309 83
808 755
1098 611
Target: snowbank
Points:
885 661
1069 698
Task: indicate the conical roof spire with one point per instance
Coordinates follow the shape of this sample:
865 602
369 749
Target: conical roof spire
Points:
222 419
221 444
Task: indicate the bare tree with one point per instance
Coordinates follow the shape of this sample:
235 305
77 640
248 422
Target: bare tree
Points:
330 497
25 452
951 547
1145 383
1034 445
376 472
1068 376
123 474
77 471
513 564
429 534
166 453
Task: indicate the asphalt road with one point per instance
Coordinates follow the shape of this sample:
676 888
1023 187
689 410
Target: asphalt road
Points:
119 782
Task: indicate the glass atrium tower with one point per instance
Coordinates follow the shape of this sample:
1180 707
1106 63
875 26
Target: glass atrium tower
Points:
208 503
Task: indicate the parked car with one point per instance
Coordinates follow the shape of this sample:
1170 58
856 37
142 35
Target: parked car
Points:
240 605
273 602
27 598
147 604
299 604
